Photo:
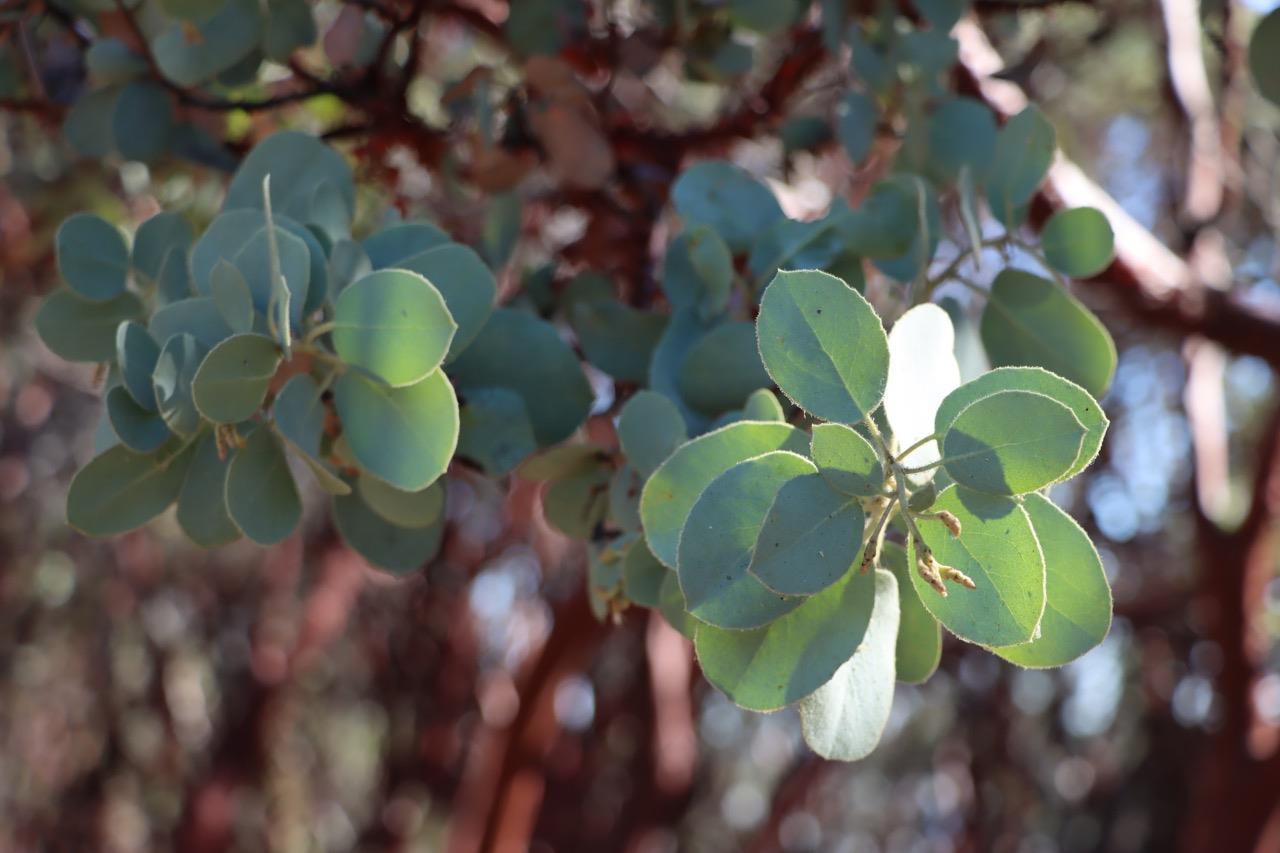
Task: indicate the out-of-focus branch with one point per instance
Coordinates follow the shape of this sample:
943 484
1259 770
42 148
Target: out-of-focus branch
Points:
502 788
1149 281
1202 197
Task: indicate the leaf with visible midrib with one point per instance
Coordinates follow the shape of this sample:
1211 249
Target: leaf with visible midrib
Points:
1037 379
823 345
394 324
405 436
1077 613
1032 321
262 498
671 491
233 378
811 537
843 719
785 661
718 537
998 549
120 490
1012 442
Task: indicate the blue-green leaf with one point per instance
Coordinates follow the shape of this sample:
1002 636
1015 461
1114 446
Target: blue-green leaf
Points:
92 257
262 498
823 345
405 436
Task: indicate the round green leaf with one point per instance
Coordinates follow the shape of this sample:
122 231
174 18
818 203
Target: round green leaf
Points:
394 324
289 26
348 262
198 317
846 460
120 490
138 429
399 242
110 60
1032 321
650 428
998 550
253 260
77 329
155 238
405 436
643 575
962 133
762 405
143 121
384 545
722 368
823 345
811 537
923 233
298 412
233 379
297 163
616 338
1012 442
728 199
92 257
670 493
1024 151
683 330
174 283
1264 47
718 538
1077 613
769 668
261 497
467 285
495 430
202 503
241 236
176 367
698 272
1040 381
1078 242
553 386
136 355
217 44
403 509
844 718
298 415
232 297
856 117
575 504
919 644
671 605
87 125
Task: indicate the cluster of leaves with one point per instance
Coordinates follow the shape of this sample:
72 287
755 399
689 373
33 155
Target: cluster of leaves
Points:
274 335
812 546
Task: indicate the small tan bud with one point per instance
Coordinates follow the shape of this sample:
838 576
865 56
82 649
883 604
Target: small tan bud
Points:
952 523
928 569
869 556
956 576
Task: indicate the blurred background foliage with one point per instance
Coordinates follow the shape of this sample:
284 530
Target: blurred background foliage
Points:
157 697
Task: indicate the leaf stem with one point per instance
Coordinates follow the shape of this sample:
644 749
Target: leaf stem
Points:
919 469
902 454
318 330
900 476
